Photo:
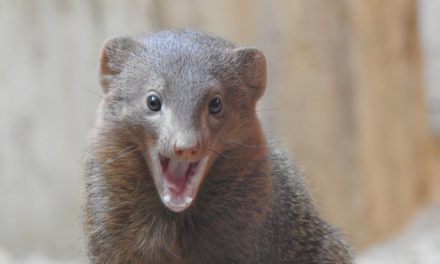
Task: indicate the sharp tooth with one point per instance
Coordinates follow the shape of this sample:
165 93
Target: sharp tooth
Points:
167 198
188 199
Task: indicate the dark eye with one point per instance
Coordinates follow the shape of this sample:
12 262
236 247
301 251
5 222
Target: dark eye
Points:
215 105
153 103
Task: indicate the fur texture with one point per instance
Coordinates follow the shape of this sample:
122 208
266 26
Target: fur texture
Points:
251 204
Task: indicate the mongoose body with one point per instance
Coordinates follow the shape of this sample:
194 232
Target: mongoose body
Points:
177 167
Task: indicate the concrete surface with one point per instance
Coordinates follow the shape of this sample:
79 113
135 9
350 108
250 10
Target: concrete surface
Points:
429 19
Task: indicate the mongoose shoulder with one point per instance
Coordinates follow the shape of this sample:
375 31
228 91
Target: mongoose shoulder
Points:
177 167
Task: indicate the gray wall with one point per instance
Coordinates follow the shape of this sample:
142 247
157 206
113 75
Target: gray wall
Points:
429 11
49 52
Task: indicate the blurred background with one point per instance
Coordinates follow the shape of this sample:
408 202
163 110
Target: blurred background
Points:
353 93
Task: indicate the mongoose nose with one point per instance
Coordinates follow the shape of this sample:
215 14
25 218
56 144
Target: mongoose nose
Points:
186 151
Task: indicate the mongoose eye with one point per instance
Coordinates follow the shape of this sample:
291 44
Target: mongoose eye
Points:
215 105
153 103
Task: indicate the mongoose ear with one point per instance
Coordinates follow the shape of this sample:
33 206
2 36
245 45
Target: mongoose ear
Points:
252 65
115 53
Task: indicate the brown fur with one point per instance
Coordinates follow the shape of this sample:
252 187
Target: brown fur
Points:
251 206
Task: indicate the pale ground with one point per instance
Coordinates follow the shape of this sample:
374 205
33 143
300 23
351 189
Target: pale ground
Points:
418 243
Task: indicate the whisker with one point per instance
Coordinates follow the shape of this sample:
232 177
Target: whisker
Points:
150 150
121 151
239 143
274 109
220 154
173 253
228 159
118 156
87 88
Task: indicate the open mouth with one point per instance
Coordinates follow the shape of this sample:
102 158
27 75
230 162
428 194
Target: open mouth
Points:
178 181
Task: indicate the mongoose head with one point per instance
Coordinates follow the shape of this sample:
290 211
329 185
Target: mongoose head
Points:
180 94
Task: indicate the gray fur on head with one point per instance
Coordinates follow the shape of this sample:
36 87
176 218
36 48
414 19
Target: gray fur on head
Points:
183 61
183 66
244 201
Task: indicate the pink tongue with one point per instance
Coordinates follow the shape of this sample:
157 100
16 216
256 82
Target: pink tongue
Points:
175 174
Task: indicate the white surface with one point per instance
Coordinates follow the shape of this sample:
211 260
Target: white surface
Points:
7 258
419 243
429 24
